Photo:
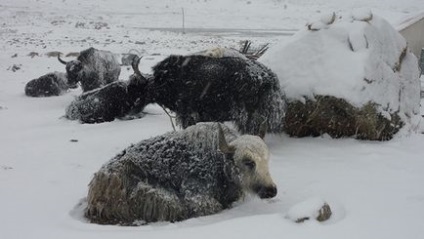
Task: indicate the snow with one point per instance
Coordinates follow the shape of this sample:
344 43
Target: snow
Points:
356 58
373 188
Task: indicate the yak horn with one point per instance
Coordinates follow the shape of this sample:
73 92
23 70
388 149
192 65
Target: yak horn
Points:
223 145
60 60
263 128
134 65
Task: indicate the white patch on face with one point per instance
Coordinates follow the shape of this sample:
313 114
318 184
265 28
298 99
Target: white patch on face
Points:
249 147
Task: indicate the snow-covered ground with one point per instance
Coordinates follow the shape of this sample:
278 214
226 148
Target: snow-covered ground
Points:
375 189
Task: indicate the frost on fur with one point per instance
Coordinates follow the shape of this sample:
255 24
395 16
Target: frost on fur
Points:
115 100
51 84
179 175
202 88
93 69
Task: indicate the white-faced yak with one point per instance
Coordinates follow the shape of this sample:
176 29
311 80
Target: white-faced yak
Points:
93 69
51 84
179 175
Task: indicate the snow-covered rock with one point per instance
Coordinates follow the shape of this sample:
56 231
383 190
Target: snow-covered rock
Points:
311 209
355 76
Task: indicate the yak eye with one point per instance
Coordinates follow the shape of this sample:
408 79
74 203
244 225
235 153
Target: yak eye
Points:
249 164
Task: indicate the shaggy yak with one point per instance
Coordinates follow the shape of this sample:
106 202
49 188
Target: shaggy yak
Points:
119 99
180 175
93 68
51 84
203 88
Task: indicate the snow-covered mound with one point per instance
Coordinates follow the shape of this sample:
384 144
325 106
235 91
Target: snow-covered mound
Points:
311 209
356 65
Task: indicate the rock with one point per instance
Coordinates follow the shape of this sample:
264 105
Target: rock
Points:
362 15
311 209
15 67
324 213
328 18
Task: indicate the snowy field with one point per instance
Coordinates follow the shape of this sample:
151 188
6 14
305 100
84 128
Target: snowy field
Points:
375 189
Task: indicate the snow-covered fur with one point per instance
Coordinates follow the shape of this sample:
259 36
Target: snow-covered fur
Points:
115 100
93 68
51 84
201 88
180 175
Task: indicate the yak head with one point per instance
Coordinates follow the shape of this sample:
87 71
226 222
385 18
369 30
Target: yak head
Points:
137 85
73 70
251 157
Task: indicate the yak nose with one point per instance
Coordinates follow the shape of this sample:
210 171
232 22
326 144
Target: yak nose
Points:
268 192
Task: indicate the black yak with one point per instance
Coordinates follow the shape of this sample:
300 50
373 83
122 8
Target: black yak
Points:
51 84
118 99
93 69
180 175
229 88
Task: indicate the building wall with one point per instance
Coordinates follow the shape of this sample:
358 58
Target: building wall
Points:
413 31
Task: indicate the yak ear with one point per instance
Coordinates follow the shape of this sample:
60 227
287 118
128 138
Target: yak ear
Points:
262 129
222 142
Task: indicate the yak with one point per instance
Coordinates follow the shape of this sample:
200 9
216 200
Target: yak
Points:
51 84
119 99
202 88
198 171
93 68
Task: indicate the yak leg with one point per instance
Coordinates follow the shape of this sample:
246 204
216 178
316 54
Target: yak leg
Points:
156 204
197 199
111 201
202 205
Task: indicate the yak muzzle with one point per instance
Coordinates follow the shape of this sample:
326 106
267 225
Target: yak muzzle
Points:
266 192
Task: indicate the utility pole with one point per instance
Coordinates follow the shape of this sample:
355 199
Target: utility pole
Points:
182 9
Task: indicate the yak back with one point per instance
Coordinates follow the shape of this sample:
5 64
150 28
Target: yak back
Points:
100 105
100 68
211 87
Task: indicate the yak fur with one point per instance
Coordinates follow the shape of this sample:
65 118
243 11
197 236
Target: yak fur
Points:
118 99
51 84
179 175
202 88
93 69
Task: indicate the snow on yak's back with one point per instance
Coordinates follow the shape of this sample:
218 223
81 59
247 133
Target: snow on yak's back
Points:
180 175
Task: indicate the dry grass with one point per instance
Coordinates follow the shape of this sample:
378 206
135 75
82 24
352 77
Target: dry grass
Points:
338 118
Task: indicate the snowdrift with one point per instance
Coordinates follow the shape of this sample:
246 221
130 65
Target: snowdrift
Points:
347 76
